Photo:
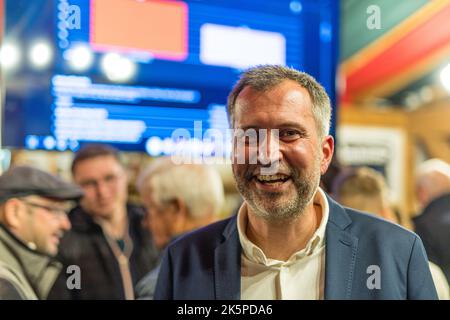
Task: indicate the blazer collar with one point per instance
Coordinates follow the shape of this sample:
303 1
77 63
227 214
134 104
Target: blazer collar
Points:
340 250
227 264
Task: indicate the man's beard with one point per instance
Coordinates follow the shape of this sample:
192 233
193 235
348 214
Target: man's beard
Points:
273 207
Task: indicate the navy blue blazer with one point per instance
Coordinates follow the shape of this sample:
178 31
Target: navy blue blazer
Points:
205 264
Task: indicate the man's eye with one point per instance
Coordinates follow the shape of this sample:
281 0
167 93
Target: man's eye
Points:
88 184
110 178
289 134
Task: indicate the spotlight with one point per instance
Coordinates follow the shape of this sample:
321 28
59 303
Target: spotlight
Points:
10 56
154 146
445 77
118 68
80 57
49 143
32 142
41 54
296 6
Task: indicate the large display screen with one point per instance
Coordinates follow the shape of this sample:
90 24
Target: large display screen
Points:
131 73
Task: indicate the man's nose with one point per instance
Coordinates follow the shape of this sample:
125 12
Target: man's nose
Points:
65 223
102 189
269 147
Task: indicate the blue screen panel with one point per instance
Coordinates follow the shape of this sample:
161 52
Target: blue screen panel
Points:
130 73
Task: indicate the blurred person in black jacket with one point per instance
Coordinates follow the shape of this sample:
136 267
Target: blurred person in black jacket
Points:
108 241
433 222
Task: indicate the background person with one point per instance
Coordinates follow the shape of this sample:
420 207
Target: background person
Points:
32 221
107 241
363 189
433 222
178 199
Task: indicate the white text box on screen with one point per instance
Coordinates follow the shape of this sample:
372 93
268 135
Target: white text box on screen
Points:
240 47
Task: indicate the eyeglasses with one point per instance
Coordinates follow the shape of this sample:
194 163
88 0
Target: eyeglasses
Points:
53 210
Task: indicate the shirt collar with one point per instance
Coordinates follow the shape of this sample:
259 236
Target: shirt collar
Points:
317 241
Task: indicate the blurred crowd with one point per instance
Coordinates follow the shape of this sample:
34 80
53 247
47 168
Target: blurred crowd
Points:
48 225
114 246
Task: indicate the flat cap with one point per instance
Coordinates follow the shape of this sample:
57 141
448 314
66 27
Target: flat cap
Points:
22 181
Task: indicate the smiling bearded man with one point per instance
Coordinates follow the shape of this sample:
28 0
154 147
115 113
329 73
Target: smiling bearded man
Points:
289 240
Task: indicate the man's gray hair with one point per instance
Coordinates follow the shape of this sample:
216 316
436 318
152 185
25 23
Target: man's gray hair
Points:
200 187
265 77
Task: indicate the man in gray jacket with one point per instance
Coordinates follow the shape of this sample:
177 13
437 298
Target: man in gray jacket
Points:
32 221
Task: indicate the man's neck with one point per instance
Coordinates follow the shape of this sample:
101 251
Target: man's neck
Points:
115 225
280 240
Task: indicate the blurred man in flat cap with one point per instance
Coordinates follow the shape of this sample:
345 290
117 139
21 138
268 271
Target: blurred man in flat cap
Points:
32 221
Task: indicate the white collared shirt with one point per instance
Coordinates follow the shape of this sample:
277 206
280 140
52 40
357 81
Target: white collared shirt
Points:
301 277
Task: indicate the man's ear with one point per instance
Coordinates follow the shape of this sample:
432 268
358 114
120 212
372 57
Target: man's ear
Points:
180 216
12 213
327 153
179 207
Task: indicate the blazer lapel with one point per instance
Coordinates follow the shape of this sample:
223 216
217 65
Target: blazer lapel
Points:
227 265
341 249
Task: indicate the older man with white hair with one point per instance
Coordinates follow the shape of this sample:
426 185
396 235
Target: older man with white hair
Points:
178 199
433 223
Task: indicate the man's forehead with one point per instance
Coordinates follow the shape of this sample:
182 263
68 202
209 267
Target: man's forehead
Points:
280 88
287 102
287 92
105 157
97 165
